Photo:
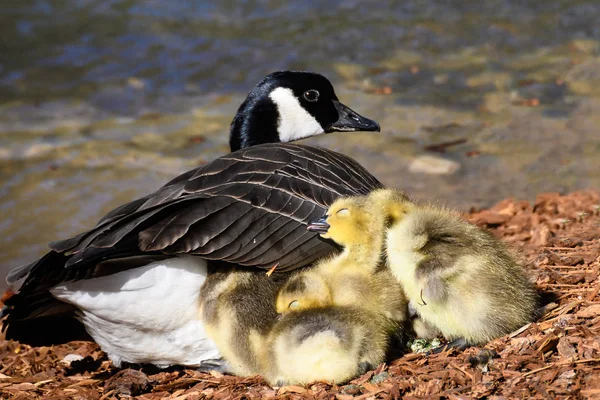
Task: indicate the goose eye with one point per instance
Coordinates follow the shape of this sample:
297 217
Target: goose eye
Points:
343 212
311 95
294 304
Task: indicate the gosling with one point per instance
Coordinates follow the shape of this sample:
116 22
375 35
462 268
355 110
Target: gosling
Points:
358 277
333 344
461 280
237 308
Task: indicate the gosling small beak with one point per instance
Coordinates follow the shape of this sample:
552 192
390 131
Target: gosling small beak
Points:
318 225
351 121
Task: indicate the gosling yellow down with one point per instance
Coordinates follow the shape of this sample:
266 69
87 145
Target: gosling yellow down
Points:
461 280
357 277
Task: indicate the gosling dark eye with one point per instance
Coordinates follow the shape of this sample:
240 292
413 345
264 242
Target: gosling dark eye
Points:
311 95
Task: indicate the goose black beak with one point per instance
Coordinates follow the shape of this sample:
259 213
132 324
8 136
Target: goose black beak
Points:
351 121
318 225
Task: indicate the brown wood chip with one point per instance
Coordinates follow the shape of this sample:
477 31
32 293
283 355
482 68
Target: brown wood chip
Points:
556 357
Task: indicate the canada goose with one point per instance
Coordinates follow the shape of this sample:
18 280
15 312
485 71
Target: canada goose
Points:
329 343
133 279
460 279
356 277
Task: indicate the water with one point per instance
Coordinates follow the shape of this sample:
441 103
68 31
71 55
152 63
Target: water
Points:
104 101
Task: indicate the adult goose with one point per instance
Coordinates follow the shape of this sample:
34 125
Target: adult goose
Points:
133 280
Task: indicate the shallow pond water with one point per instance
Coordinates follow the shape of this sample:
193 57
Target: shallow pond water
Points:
104 101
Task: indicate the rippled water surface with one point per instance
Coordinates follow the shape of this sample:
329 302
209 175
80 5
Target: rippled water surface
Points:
104 101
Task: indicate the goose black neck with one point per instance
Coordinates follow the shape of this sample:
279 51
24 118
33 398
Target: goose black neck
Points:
255 123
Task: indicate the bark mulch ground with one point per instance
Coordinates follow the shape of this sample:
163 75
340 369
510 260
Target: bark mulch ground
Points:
558 237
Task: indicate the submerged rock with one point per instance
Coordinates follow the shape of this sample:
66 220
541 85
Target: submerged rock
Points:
433 165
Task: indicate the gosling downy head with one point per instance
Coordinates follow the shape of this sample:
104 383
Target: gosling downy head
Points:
393 204
349 222
303 291
291 105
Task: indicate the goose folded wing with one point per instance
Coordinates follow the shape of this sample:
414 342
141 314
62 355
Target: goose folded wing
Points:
250 208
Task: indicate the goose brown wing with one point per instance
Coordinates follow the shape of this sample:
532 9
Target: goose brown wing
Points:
250 207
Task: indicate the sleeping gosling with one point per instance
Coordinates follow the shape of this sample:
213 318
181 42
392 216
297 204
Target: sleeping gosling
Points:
357 277
333 344
462 281
237 308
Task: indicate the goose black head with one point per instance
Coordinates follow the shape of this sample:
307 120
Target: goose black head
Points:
291 105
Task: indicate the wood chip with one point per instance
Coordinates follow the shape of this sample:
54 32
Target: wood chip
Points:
25 386
566 349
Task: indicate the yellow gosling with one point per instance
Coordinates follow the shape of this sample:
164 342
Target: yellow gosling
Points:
460 279
357 277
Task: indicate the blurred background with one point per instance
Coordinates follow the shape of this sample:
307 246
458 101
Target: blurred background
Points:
102 101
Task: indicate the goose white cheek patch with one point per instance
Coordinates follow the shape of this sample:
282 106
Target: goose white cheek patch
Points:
294 121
